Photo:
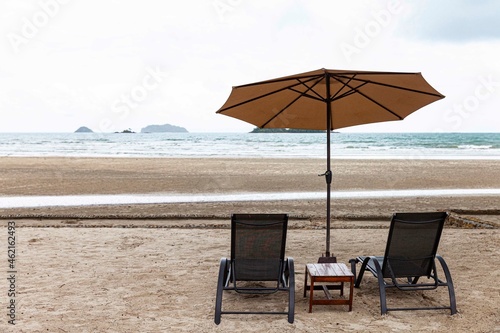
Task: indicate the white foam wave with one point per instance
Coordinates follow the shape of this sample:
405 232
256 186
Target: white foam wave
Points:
89 200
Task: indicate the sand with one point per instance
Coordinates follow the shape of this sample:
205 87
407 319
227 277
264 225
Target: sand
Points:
153 268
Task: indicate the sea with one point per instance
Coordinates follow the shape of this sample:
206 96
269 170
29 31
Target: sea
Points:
260 145
246 145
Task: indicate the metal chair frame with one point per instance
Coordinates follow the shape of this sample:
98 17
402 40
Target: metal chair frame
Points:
387 268
228 276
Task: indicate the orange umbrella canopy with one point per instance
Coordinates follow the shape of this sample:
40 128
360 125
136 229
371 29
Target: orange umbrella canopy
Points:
356 97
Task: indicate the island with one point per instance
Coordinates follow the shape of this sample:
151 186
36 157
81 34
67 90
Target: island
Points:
84 129
128 130
163 129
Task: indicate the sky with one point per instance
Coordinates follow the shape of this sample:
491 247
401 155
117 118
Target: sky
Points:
112 65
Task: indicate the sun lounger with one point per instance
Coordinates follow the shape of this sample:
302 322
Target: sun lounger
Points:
409 262
257 264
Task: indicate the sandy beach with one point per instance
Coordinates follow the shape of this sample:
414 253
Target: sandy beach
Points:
153 267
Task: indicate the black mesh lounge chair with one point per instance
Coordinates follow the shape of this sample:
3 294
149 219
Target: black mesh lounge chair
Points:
257 264
409 256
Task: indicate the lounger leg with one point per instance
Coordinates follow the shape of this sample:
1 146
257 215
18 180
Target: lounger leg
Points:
220 289
291 291
449 282
381 286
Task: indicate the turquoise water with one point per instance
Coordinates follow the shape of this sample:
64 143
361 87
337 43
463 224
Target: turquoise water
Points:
310 145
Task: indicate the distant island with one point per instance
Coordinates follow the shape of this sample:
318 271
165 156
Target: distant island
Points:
163 129
84 129
284 130
167 128
128 130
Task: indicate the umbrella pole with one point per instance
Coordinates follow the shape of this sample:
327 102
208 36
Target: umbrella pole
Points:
328 178
328 173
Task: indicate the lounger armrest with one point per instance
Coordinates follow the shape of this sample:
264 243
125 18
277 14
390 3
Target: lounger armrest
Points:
376 270
353 263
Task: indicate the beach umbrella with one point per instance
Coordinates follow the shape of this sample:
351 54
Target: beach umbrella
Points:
327 99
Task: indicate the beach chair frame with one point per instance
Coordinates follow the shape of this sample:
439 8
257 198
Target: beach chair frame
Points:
257 255
410 255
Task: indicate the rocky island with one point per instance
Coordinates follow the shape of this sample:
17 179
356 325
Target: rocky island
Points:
163 129
84 129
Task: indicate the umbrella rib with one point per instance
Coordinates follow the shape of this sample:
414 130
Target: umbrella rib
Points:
386 85
365 82
356 90
301 94
348 93
270 93
309 77
304 94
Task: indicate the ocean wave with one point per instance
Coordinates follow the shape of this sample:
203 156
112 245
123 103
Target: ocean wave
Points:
241 145
475 147
120 199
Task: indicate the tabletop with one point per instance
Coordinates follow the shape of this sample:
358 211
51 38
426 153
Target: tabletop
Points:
329 269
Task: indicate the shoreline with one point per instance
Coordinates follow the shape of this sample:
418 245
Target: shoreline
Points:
157 198
51 176
285 157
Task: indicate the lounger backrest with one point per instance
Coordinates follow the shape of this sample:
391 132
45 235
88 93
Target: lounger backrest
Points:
412 244
258 246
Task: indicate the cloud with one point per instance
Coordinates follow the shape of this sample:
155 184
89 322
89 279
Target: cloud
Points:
90 54
454 21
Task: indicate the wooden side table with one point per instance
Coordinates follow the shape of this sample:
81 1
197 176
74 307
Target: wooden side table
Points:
328 274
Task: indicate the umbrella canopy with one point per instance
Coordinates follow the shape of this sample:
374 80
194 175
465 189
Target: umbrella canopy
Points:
327 99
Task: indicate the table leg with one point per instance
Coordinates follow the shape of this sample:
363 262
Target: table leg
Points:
311 294
351 291
305 283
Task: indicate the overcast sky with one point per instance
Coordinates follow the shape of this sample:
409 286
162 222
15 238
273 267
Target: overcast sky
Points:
117 64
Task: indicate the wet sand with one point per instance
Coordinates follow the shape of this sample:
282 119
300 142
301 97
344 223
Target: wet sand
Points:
95 176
